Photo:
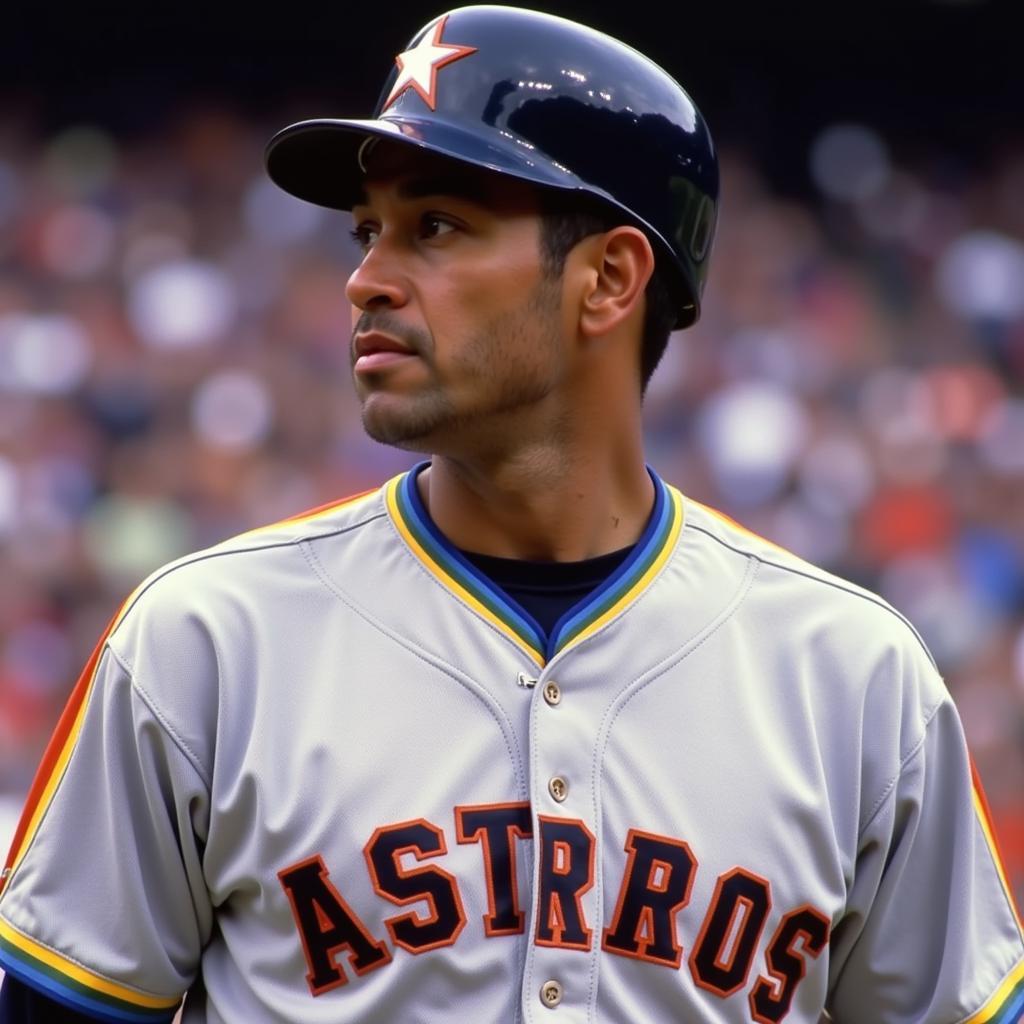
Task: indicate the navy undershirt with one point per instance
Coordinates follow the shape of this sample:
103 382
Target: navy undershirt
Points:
547 590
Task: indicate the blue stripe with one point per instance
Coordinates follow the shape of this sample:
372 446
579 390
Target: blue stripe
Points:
451 560
75 1000
1010 1014
647 548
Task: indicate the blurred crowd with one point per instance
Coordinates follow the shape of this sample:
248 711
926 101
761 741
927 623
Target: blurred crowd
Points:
174 370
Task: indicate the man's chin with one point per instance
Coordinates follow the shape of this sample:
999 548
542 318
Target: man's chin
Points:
409 429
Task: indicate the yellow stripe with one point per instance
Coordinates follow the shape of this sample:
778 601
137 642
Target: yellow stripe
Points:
451 583
65 755
979 810
55 776
740 528
81 975
642 583
995 1004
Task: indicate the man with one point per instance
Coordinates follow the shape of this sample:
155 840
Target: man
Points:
525 734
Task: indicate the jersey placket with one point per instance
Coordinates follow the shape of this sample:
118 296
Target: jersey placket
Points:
563 941
568 698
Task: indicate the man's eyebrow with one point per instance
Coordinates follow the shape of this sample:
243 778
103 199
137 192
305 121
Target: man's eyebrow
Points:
454 186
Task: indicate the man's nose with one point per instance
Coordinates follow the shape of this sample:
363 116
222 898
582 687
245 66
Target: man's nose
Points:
377 281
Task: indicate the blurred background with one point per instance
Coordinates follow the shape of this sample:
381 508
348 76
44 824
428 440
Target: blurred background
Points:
174 331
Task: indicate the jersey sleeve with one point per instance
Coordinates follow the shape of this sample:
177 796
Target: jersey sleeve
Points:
103 906
931 932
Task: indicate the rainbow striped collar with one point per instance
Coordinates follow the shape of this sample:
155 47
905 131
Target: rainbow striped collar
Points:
445 562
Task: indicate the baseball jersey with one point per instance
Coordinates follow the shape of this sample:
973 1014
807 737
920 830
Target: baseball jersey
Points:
328 772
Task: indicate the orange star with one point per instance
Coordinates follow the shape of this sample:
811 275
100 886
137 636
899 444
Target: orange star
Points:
418 67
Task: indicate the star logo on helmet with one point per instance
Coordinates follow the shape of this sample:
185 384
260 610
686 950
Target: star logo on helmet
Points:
418 67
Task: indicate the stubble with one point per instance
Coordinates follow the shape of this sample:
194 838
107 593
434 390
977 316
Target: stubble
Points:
510 365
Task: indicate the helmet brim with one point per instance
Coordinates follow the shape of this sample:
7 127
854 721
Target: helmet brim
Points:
319 160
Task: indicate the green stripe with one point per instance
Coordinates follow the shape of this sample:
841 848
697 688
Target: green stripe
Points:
73 985
1010 1011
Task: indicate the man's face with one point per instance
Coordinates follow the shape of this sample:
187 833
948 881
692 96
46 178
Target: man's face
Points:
457 333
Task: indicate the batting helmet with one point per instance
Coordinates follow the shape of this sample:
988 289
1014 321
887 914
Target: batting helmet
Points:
545 100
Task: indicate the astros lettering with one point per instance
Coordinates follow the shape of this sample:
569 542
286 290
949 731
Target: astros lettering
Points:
655 889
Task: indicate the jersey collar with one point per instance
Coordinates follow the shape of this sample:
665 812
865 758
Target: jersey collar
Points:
444 561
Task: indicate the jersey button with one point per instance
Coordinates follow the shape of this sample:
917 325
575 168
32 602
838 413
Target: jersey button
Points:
551 994
558 788
552 692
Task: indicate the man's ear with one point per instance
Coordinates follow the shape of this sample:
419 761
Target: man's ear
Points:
620 263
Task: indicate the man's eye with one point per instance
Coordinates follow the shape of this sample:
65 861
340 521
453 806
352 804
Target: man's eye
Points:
364 235
432 225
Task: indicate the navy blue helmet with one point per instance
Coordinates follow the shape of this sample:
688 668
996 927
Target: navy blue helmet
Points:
545 100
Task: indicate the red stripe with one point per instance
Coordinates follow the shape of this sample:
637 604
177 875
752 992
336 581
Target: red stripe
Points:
53 749
987 811
983 800
326 507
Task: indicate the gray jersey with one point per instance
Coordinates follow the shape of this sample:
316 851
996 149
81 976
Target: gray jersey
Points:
326 772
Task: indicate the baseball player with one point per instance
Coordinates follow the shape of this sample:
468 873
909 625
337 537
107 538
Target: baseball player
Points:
525 734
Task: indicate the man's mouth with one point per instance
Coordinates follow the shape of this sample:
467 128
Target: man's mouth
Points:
374 350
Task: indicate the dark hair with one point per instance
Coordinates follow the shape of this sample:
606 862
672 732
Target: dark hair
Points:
566 220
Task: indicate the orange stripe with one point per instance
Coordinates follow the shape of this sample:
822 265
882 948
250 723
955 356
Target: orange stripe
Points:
327 507
739 527
986 810
309 514
993 839
64 731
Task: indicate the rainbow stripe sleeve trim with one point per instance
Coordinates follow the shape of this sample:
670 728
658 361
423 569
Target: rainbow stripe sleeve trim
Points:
446 563
984 814
36 965
56 756
1007 1005
75 987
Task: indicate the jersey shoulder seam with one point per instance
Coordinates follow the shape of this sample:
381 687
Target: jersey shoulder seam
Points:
224 550
825 579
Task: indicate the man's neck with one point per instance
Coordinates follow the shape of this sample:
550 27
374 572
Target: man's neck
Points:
540 509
